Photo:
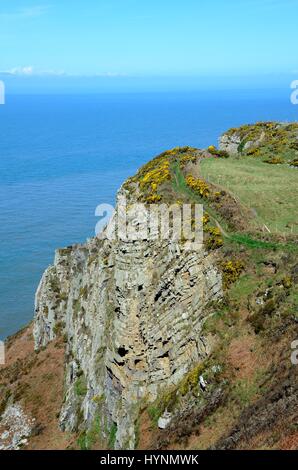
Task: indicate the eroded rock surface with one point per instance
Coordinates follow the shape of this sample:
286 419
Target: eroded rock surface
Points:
15 428
132 312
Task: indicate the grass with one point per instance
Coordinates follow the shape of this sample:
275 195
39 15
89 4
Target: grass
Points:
244 287
80 386
180 186
154 413
244 391
112 436
87 439
261 244
269 190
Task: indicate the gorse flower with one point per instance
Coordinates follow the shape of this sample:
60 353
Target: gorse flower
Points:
198 185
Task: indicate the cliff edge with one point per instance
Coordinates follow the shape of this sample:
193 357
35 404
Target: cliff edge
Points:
155 343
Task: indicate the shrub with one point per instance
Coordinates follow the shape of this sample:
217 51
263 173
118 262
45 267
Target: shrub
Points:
166 401
80 386
58 328
287 282
231 271
222 154
218 153
156 176
257 321
274 160
54 285
191 380
217 195
198 185
205 219
294 162
214 240
254 152
187 158
152 198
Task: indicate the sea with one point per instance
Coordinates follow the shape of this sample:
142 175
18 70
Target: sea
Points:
62 155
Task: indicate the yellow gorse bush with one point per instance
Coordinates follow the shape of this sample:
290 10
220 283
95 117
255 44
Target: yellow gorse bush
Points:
152 198
214 240
198 185
205 218
156 176
214 231
231 271
187 158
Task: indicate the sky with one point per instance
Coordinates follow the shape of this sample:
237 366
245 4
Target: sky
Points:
52 43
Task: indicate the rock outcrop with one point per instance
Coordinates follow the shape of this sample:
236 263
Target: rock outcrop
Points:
131 313
136 345
230 143
235 143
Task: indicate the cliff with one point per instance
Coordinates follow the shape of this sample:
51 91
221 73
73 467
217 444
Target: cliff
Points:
143 341
132 313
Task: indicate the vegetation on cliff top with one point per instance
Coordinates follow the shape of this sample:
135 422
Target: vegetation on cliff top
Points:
241 193
251 205
268 191
250 220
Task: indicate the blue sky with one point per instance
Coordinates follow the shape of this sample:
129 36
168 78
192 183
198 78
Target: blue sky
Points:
54 41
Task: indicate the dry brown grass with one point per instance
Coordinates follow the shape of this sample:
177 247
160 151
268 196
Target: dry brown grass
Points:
38 386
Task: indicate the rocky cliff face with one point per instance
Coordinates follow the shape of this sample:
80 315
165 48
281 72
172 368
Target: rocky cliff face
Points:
263 139
234 142
131 313
151 353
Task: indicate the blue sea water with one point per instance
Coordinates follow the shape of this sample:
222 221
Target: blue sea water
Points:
62 155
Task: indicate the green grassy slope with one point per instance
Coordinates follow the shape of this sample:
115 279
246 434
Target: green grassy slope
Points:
249 372
271 191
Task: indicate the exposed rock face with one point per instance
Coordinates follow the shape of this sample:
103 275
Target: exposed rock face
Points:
229 143
132 313
15 428
234 143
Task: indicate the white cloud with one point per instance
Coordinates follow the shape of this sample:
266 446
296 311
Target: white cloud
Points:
110 74
29 71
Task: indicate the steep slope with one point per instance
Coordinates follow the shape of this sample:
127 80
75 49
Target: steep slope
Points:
31 394
132 313
200 337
